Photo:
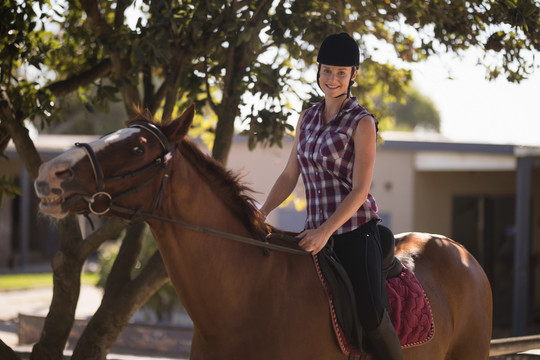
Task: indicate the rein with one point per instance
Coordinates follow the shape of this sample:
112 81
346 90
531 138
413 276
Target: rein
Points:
206 230
163 161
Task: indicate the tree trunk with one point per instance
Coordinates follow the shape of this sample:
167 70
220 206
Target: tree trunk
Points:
229 107
122 297
19 134
67 267
224 135
6 353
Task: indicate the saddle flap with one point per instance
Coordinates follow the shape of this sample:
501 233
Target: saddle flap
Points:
343 300
409 307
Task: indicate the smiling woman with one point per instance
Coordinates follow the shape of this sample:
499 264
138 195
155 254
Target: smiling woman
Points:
334 151
335 81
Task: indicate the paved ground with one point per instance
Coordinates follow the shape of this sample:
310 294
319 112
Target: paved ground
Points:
36 302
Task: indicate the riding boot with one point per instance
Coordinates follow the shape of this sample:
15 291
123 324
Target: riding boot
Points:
384 341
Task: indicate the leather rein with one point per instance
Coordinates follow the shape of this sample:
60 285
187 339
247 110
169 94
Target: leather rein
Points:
162 162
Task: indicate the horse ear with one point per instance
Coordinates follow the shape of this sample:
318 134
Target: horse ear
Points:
177 129
147 114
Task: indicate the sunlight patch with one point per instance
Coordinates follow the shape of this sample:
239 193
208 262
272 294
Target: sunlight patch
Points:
119 135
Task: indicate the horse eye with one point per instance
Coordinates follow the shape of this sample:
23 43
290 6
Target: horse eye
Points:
139 150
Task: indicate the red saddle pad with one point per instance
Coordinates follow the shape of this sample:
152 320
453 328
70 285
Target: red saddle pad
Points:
409 310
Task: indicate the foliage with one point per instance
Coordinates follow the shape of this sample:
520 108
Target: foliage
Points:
25 47
8 188
415 111
250 47
163 303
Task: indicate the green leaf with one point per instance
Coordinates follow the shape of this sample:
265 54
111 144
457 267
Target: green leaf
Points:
8 188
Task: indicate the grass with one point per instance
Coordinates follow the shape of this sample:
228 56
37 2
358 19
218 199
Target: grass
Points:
28 281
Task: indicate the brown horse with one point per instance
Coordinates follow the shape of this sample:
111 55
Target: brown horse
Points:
244 303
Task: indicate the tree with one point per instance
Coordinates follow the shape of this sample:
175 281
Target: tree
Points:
213 53
415 111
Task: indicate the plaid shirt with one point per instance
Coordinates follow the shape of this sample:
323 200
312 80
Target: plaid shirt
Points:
325 155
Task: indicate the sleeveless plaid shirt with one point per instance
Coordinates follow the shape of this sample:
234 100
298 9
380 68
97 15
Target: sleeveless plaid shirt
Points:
325 155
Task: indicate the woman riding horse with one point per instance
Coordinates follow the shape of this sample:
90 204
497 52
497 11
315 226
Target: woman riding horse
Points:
334 150
245 304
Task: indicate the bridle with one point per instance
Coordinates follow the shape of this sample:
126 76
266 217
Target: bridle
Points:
162 162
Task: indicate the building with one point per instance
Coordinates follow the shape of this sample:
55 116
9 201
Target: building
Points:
485 196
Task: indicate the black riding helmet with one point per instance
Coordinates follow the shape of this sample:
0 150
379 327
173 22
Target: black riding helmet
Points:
338 50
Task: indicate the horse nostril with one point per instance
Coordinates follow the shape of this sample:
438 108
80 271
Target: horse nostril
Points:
42 188
56 191
64 174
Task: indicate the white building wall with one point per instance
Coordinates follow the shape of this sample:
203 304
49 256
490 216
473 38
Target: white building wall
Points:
392 184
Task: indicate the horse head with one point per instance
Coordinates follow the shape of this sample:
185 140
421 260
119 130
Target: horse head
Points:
97 176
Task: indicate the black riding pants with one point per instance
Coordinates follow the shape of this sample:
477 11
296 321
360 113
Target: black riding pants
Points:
360 253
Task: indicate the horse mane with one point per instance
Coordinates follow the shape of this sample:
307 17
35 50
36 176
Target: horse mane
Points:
225 184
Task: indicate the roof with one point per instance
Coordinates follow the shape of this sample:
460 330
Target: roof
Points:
436 142
434 152
50 145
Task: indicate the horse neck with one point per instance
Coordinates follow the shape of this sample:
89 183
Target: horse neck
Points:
195 199
202 266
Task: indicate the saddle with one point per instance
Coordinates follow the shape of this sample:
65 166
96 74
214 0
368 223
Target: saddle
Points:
406 300
341 290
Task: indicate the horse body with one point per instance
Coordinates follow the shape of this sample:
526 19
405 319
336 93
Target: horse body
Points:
246 304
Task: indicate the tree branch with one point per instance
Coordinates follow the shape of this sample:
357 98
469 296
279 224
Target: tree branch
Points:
4 138
93 11
67 269
117 307
127 257
171 86
158 97
121 66
260 10
24 145
82 79
207 83
108 231
121 6
151 278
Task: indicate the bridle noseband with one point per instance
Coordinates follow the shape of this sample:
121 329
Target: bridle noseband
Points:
162 160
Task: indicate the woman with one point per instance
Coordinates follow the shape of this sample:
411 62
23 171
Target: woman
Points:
334 150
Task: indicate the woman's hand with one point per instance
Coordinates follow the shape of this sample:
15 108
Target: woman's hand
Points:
313 240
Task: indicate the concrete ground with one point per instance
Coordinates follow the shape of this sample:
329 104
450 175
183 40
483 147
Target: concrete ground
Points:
36 302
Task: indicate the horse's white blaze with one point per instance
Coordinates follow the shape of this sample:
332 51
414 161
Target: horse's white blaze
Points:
101 144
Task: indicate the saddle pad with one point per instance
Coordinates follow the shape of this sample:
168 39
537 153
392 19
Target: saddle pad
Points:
410 311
